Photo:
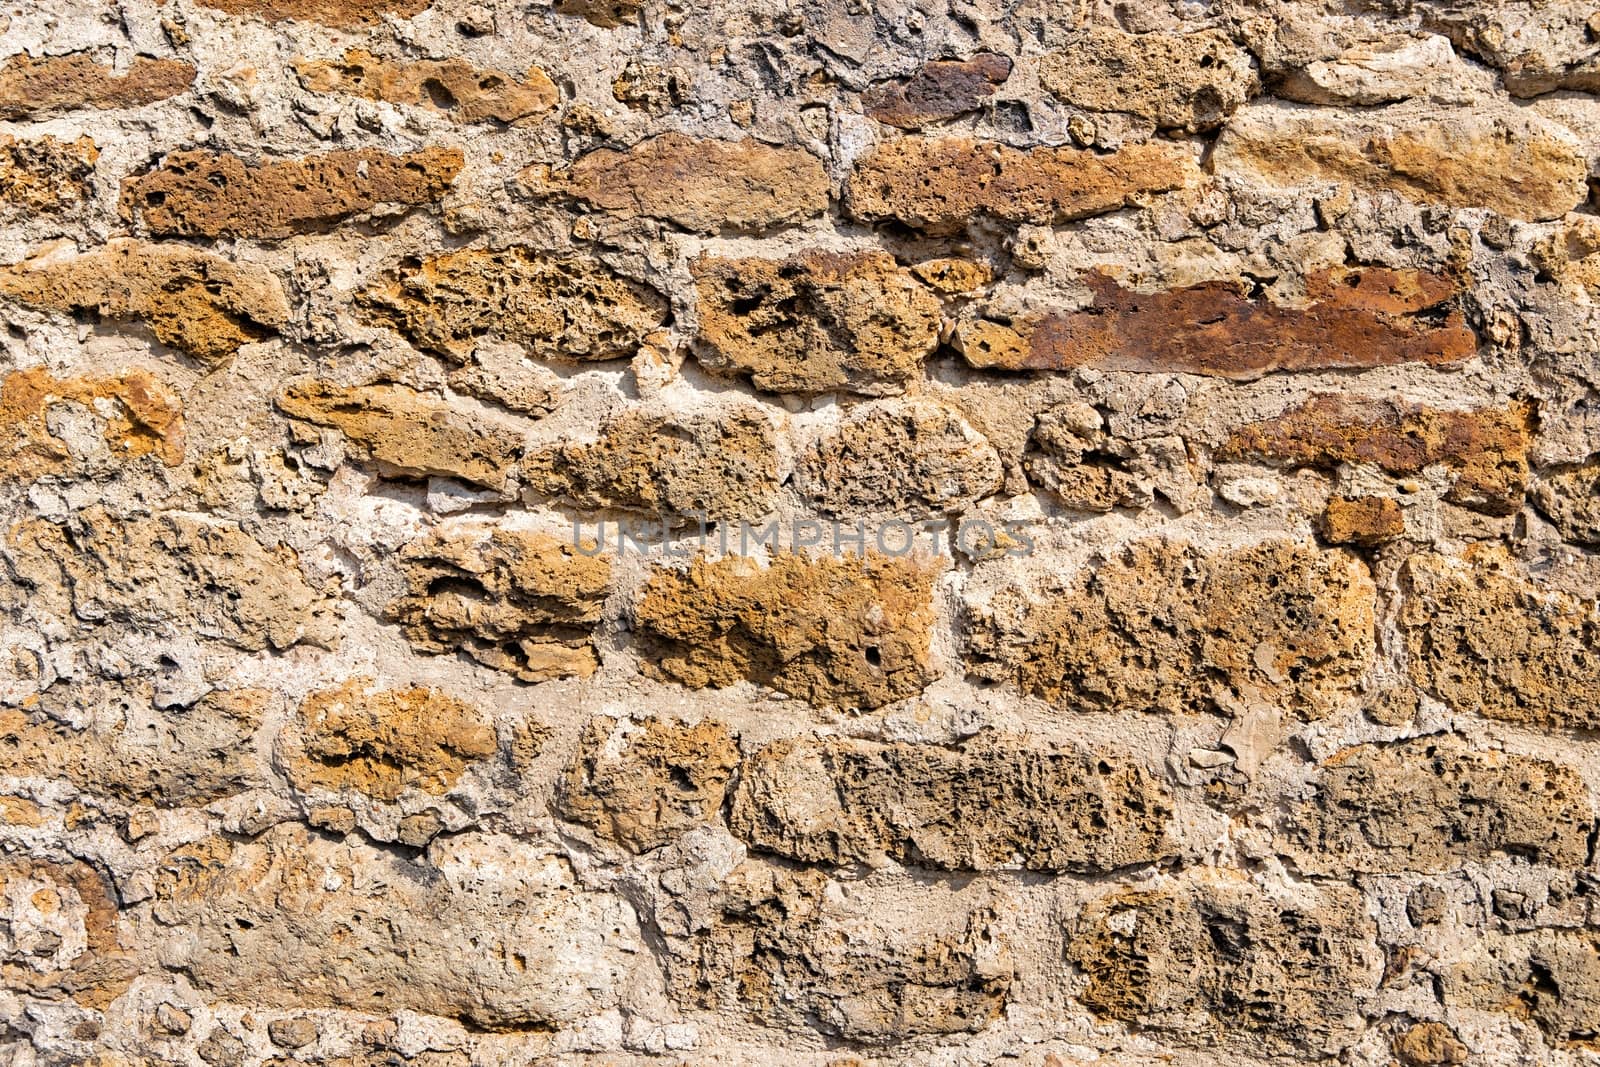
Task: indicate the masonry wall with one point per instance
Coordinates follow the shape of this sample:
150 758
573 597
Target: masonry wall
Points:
1111 509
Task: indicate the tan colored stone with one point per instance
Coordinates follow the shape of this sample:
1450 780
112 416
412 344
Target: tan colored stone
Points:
522 603
1431 803
484 928
169 573
1550 977
717 464
1505 159
1181 81
953 276
61 933
1279 974
704 186
38 88
911 456
348 14
942 89
939 186
203 305
408 433
1483 636
382 742
556 308
1429 1045
833 631
815 322
1162 626
1486 448
1535 48
1380 72
1364 520
215 194
20 811
644 783
995 803
789 948
44 175
169 758
452 86
137 416
607 14
652 88
1352 318
1071 454
1570 497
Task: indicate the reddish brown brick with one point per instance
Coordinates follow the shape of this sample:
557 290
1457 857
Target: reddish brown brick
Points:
1487 448
1353 317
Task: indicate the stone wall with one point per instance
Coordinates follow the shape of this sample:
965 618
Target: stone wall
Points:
1232 365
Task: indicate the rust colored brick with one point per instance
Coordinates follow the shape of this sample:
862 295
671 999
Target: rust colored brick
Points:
1353 317
1487 447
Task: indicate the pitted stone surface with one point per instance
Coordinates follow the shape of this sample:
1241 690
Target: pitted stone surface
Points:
829 533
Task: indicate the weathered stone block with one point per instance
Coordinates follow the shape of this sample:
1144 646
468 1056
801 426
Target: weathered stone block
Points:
777 944
408 433
913 456
815 322
1433 802
942 89
557 308
1183 81
38 88
1352 318
1550 976
204 305
45 175
939 186
845 631
522 603
214 194
1163 626
133 753
382 742
718 464
1485 449
1570 496
454 87
1282 973
170 572
481 929
1484 637
643 783
704 186
997 802
347 14
1502 158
